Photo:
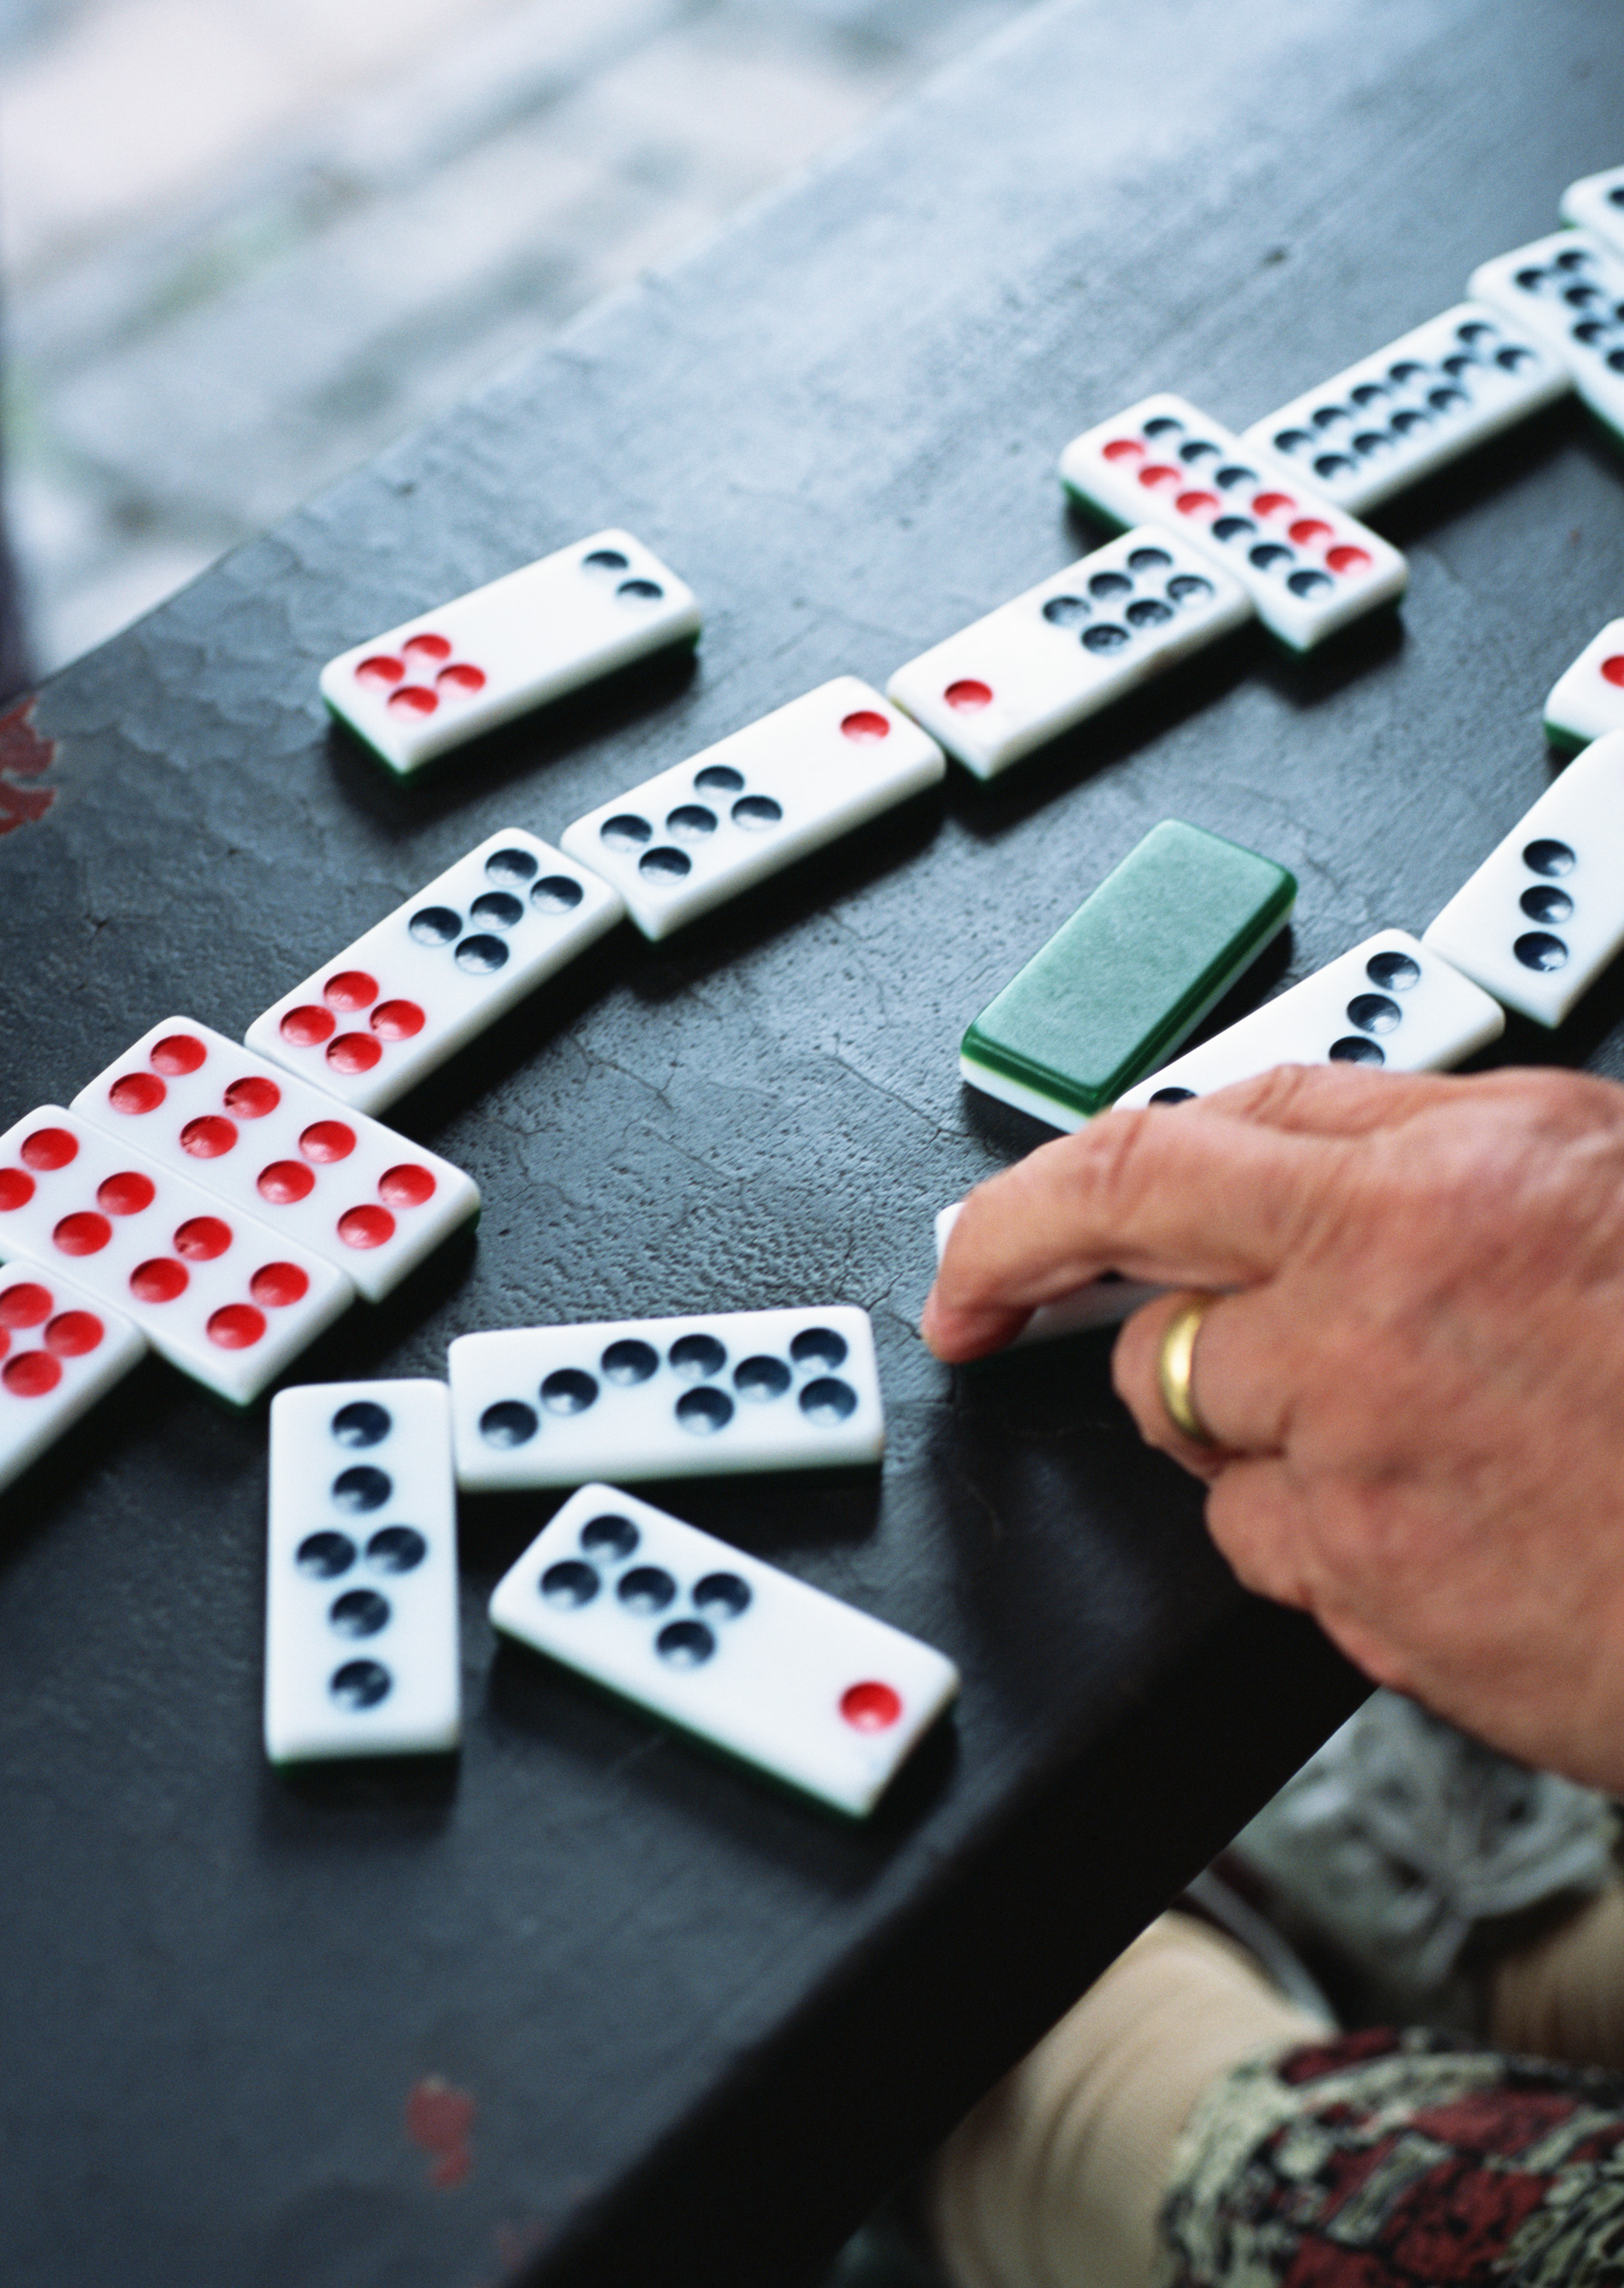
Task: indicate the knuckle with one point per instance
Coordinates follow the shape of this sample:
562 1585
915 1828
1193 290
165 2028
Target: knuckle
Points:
1276 1093
1113 1169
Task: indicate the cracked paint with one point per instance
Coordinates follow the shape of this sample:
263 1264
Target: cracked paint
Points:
25 756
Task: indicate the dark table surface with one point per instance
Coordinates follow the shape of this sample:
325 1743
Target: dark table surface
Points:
702 2023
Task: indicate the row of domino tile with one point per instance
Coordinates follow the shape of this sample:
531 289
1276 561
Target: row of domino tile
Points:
1219 528
1122 984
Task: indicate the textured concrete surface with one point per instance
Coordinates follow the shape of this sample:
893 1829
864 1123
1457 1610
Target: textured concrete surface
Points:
246 242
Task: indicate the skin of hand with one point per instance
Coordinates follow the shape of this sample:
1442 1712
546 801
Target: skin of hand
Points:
1414 1372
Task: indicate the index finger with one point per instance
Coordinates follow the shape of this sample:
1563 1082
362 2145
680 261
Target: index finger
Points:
1183 1196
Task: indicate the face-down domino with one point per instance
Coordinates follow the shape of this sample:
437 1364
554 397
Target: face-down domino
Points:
1130 976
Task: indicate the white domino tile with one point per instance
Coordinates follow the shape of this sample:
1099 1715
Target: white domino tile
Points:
445 676
1586 700
1393 1001
1082 637
1309 567
700 833
374 1020
362 1649
695 1397
60 1350
763 1666
338 1183
1544 914
1102 1303
221 1297
1411 409
1568 289
1595 203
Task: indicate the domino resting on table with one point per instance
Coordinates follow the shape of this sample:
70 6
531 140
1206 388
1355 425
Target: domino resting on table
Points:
224 1206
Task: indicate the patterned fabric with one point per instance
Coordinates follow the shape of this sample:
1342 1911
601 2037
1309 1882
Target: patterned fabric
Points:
1399 2160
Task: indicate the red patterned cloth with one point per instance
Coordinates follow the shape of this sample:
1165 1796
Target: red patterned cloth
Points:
1399 2160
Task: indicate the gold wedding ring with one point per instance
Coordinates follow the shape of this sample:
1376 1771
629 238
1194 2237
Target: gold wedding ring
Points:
1175 1369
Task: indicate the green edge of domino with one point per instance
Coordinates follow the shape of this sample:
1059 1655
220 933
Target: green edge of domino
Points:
1565 741
1097 509
1130 975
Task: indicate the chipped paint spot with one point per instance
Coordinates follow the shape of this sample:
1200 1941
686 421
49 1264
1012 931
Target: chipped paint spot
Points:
438 2118
24 755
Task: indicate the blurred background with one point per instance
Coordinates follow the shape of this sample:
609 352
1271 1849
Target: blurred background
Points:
243 243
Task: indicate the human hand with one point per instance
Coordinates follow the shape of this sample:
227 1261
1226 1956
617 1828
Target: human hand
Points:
1416 1382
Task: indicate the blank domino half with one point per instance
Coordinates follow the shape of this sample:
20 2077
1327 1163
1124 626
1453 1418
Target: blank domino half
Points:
338 1183
760 1665
361 1650
421 984
1391 1001
708 829
60 1350
1586 700
1411 409
696 1397
1130 976
1595 203
439 679
1102 1303
1543 915
1569 289
227 1301
1082 637
1309 568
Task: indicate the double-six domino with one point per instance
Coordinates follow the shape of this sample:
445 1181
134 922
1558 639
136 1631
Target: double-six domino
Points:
224 1298
1569 289
425 979
1543 915
1586 700
1080 639
60 1350
272 1145
1407 410
699 1396
745 1656
1309 568
1595 203
702 832
362 1653
439 679
1391 1001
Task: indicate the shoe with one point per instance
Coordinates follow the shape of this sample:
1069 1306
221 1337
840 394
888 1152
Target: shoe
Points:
1402 1851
